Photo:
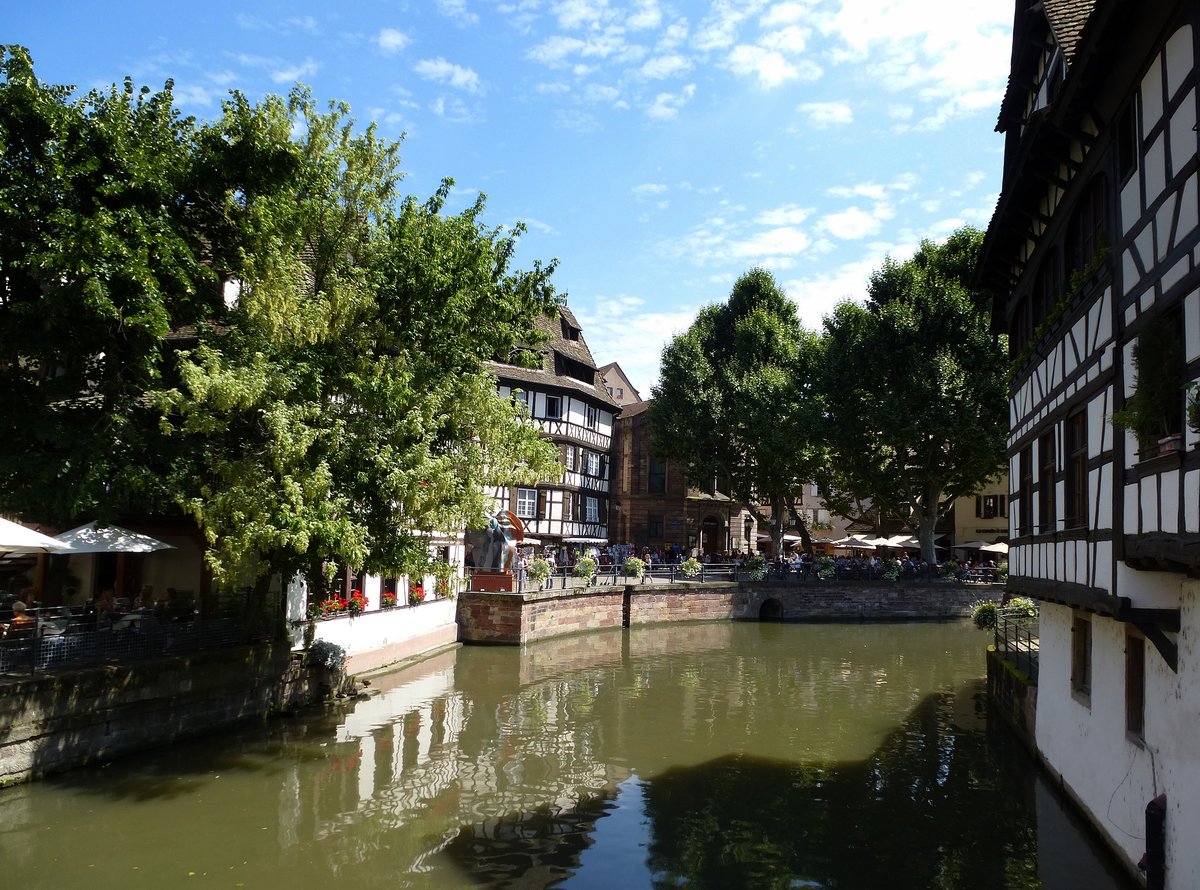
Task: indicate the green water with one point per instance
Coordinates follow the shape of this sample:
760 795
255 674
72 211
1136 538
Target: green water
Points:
714 755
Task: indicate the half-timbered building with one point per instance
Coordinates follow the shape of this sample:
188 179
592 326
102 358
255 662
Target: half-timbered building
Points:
567 400
1094 254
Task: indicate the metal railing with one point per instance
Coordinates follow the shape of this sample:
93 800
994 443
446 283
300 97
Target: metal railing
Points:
1018 641
127 639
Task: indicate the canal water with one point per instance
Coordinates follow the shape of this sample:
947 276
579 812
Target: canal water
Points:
715 755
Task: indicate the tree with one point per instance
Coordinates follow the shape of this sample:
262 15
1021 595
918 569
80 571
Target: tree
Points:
736 402
916 389
250 326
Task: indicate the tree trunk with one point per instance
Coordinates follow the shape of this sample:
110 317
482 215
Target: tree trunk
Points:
778 524
927 518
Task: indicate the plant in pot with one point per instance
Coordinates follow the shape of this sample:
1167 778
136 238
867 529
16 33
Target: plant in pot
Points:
539 570
387 600
690 567
1152 413
585 568
635 568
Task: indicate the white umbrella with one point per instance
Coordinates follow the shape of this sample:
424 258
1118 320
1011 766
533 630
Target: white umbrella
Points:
971 545
96 538
998 547
16 538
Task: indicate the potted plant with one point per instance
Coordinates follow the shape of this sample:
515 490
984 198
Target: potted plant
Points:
539 571
357 603
442 572
416 594
891 569
1152 412
826 568
387 600
756 567
331 606
690 567
635 568
585 568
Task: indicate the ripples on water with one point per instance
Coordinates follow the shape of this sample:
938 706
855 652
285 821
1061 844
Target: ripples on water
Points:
702 755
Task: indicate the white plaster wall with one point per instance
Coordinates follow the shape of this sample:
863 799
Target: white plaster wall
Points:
1112 775
375 630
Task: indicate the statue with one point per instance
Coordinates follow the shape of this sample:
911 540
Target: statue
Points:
494 550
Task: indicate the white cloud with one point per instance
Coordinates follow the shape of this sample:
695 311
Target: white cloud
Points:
645 15
782 241
769 66
295 72
621 329
557 49
873 190
787 215
665 66
666 105
647 189
391 41
785 14
441 71
854 223
792 39
719 28
826 114
600 94
580 13
457 10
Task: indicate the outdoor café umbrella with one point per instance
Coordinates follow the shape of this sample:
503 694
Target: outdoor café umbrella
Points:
96 538
16 538
998 547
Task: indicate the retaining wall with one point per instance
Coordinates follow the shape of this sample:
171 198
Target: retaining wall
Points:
51 722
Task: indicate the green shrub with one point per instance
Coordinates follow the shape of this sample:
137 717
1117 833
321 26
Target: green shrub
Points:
690 567
756 567
1002 571
539 569
891 569
949 569
585 568
826 568
634 567
327 655
1021 607
983 613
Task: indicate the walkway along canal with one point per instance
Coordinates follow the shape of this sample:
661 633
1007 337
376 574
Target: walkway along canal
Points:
715 754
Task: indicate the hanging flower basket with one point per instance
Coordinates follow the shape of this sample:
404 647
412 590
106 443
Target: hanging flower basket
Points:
416 594
387 600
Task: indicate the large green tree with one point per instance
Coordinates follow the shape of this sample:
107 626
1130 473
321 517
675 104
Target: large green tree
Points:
915 388
736 401
267 336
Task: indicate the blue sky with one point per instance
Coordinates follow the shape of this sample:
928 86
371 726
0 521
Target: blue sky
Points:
657 148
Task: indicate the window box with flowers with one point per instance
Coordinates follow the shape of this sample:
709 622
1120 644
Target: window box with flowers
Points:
331 607
357 603
387 600
416 594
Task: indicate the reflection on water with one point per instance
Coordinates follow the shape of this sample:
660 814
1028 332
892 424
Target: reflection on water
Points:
703 755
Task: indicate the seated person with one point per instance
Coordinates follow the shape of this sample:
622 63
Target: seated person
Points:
22 624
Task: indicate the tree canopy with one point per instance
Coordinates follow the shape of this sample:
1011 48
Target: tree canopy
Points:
736 401
251 326
915 388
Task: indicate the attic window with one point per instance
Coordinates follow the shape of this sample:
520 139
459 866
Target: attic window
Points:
570 332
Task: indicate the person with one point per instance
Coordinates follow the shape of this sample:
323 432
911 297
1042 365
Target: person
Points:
23 624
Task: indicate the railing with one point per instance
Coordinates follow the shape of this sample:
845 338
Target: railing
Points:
670 573
1018 640
129 638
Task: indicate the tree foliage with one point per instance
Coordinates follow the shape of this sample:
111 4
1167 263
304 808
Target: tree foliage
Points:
736 401
916 389
252 326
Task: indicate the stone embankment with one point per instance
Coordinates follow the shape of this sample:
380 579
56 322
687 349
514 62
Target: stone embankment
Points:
515 618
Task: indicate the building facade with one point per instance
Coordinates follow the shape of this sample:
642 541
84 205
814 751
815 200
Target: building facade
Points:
1094 255
617 385
567 401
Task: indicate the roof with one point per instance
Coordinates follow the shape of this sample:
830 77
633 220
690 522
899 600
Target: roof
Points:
1067 18
613 367
564 337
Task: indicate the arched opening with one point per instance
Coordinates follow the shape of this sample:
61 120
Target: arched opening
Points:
770 610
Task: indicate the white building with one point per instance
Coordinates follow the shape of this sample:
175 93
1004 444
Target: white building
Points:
567 400
1095 248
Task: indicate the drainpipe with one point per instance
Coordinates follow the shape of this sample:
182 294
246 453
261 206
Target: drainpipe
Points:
1154 863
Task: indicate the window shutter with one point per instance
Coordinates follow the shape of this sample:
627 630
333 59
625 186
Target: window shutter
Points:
604 466
978 507
542 503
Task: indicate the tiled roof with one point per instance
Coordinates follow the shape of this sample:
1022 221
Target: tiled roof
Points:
556 343
1067 19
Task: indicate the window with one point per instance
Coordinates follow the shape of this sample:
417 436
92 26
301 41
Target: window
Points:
520 397
620 392
592 506
593 464
990 506
570 457
654 526
608 389
527 503
593 416
1087 233
554 407
1047 288
1081 657
1135 684
1025 492
657 478
1046 469
1075 509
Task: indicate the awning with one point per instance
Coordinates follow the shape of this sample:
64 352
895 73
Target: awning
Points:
17 538
585 540
532 542
96 538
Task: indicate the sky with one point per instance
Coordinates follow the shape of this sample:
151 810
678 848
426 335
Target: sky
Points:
657 149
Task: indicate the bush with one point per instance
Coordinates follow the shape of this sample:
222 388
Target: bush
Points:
1002 571
327 655
1021 607
891 569
539 570
950 569
690 567
983 613
634 567
826 568
756 567
585 568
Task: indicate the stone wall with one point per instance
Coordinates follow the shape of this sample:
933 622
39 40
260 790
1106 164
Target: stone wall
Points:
51 722
516 618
